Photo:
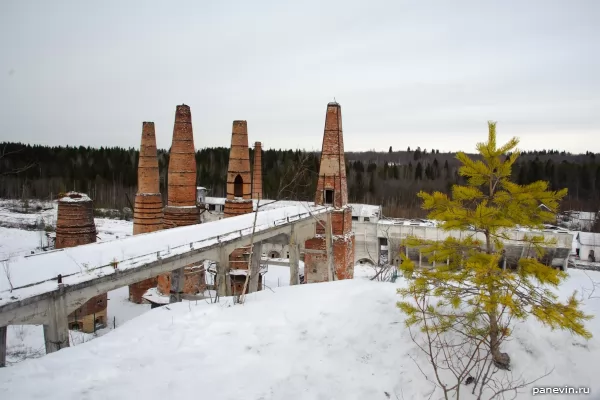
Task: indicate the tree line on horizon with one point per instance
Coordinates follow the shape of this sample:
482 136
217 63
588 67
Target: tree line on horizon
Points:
390 179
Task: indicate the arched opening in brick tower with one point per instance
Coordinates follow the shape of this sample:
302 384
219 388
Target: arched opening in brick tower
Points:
238 187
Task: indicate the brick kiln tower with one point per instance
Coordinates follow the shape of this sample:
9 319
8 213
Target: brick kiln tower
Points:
332 190
181 209
239 199
257 190
148 211
75 226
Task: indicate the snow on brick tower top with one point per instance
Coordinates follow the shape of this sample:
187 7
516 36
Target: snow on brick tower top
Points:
148 163
75 221
332 188
182 161
257 189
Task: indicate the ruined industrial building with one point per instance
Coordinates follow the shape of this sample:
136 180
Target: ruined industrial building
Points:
74 227
194 247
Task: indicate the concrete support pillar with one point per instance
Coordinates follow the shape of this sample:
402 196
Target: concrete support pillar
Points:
3 334
223 279
329 248
294 258
56 333
255 267
434 259
566 263
420 258
177 279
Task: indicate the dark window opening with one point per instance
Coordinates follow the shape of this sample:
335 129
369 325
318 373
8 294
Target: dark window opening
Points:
354 218
367 219
328 196
74 326
211 207
383 241
238 187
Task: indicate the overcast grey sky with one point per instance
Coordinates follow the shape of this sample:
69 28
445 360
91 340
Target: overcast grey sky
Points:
407 73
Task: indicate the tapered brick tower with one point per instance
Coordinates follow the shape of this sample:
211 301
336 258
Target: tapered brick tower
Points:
148 209
332 190
239 199
181 207
74 227
257 191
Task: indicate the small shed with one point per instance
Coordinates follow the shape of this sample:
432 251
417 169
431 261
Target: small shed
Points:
588 246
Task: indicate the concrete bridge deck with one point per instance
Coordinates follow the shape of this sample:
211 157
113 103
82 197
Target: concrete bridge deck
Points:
97 268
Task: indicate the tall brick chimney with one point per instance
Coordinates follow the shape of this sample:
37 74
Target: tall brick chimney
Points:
257 190
181 207
181 204
239 199
74 227
148 208
332 190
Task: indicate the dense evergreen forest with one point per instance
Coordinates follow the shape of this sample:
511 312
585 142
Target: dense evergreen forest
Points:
391 178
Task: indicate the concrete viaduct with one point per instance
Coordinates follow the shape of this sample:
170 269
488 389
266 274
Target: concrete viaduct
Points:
40 295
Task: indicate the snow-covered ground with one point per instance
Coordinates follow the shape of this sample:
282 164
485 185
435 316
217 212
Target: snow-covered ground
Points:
339 340
27 341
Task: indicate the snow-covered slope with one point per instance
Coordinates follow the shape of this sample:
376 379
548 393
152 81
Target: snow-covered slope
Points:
339 340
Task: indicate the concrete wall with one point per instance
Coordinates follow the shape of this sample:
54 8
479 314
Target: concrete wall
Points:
366 243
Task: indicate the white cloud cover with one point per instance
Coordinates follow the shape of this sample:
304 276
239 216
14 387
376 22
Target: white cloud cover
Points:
406 73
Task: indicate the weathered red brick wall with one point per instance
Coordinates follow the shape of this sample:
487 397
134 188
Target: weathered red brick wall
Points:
93 306
237 207
148 163
257 190
315 261
341 222
75 221
237 284
194 281
315 264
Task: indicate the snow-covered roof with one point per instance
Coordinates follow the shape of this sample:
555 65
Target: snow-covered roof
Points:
408 222
366 210
75 197
589 238
583 215
215 200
